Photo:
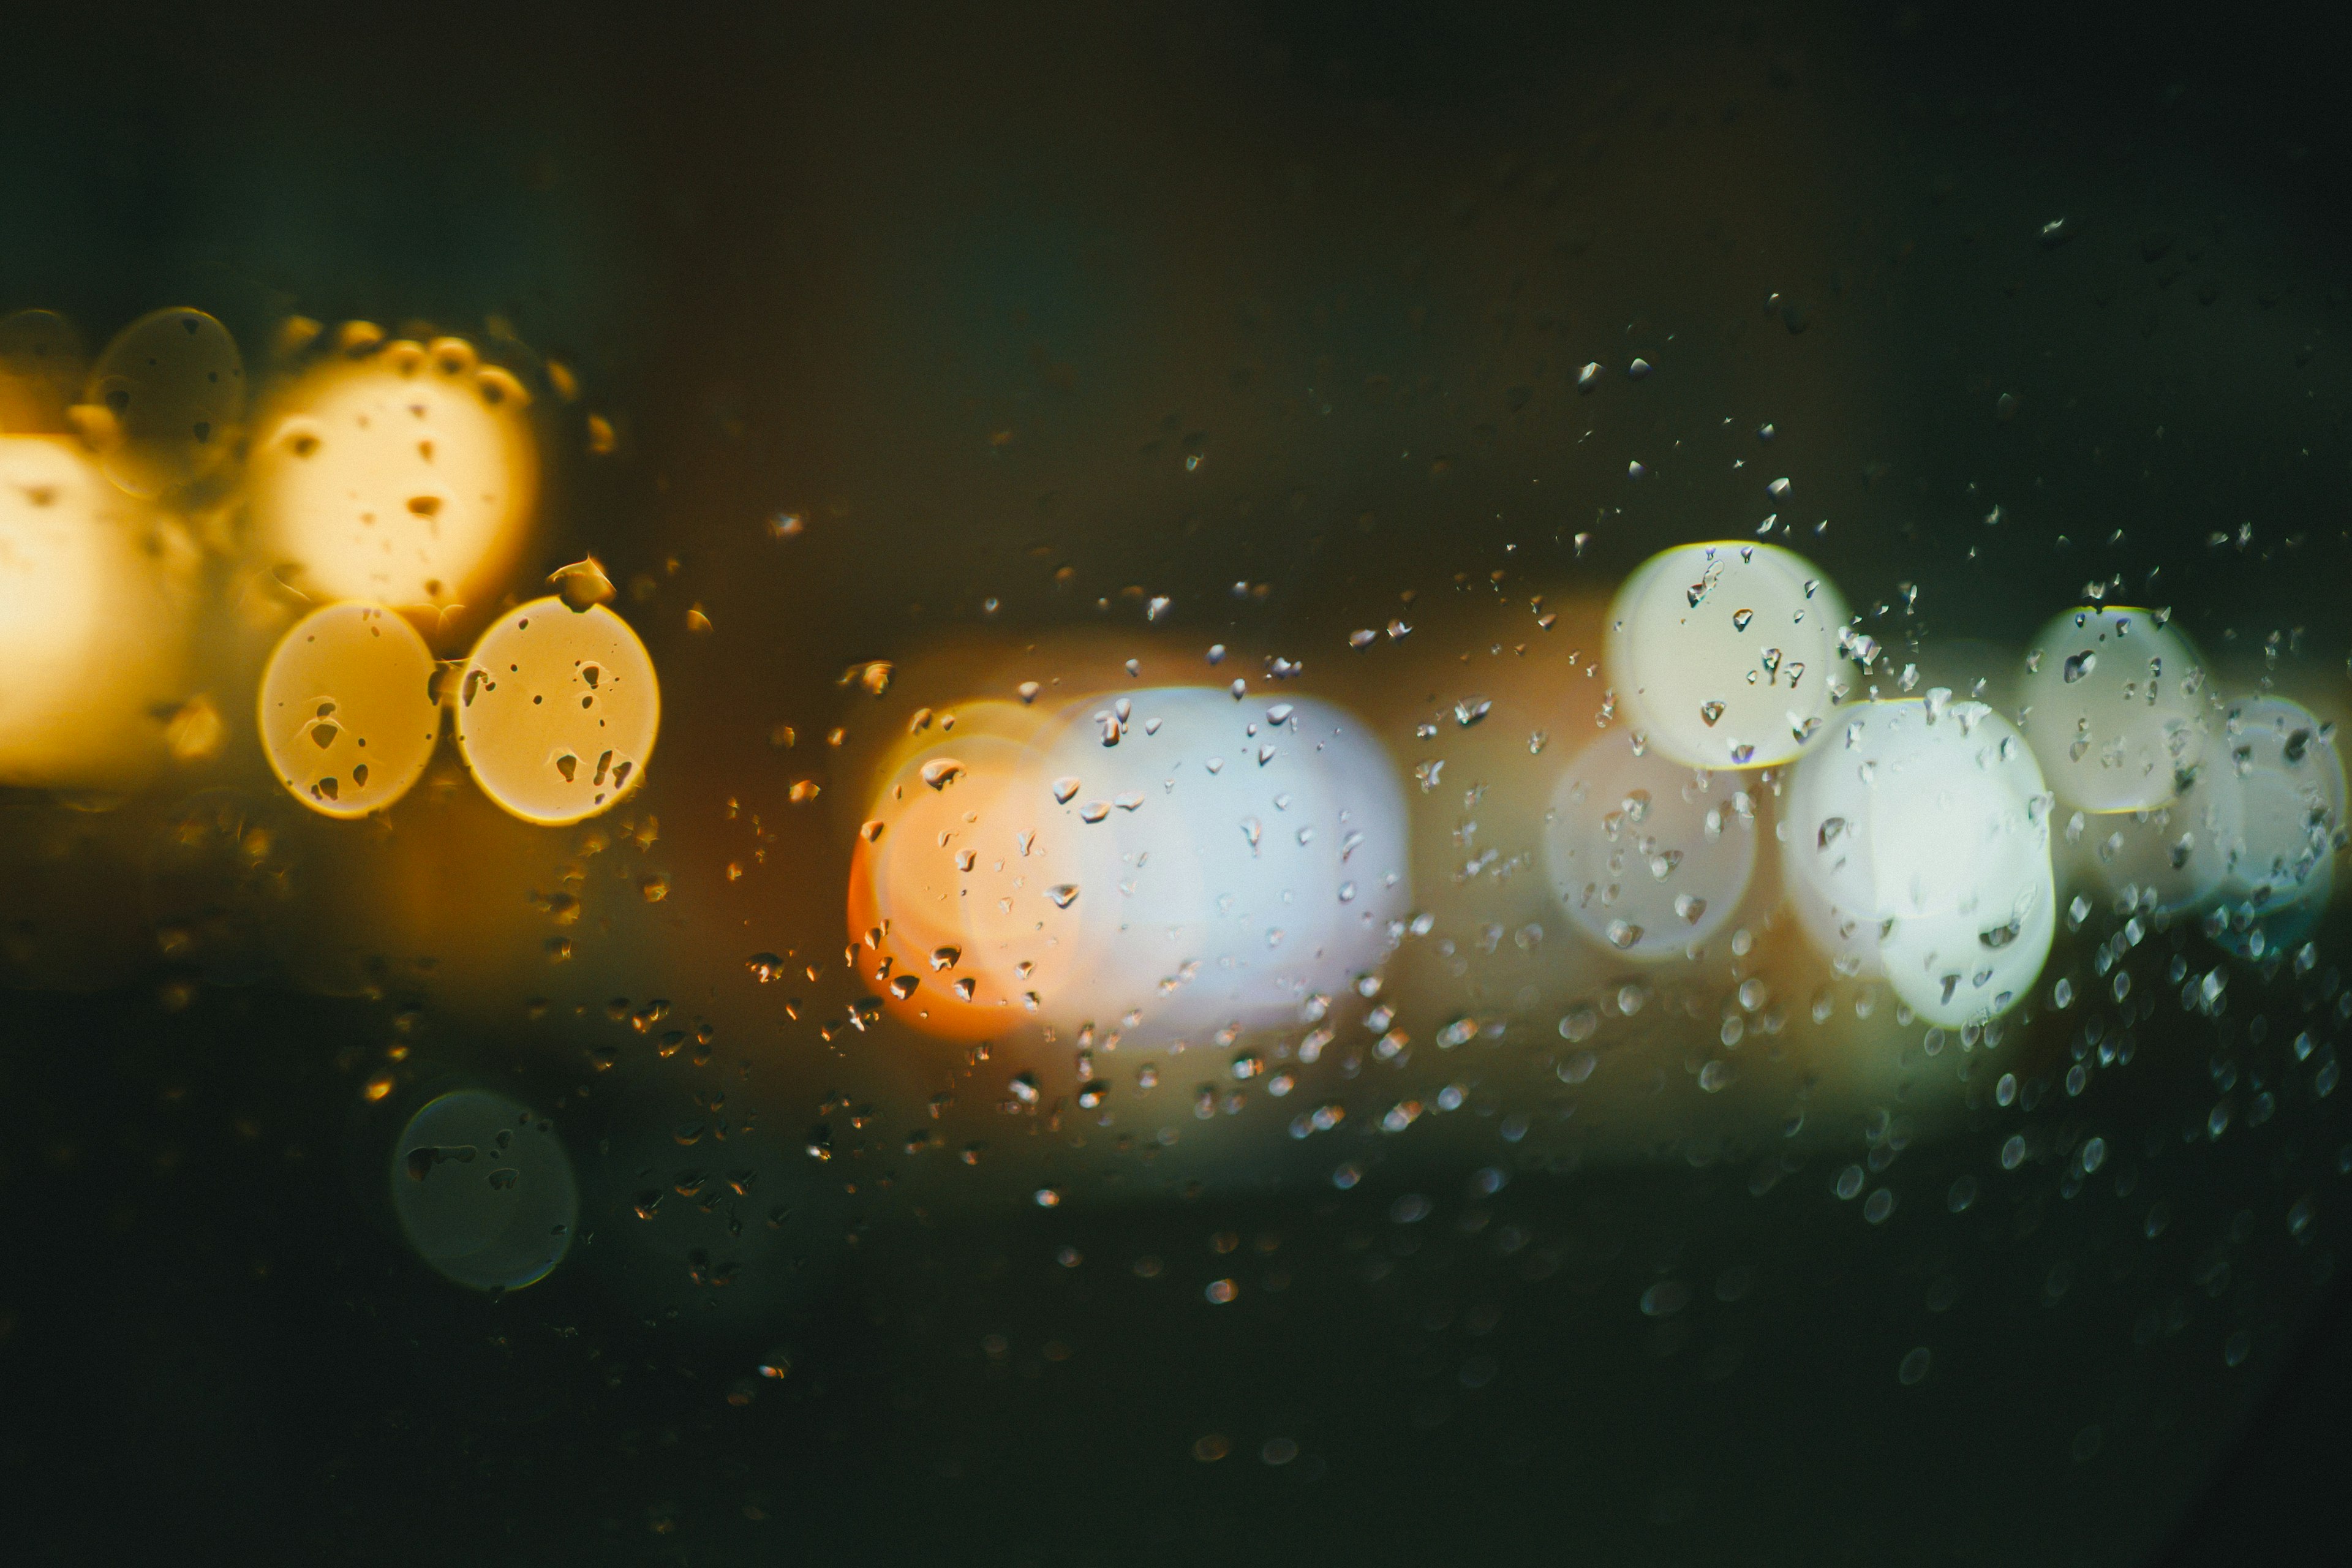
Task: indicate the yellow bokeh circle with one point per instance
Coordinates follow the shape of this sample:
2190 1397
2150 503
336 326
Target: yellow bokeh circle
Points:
348 713
556 711
409 478
96 595
173 386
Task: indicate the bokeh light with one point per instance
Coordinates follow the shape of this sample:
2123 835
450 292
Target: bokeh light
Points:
1916 844
556 711
2175 856
2118 708
950 899
1725 654
170 390
348 714
484 1190
1649 857
2293 778
1168 860
409 477
95 594
1262 865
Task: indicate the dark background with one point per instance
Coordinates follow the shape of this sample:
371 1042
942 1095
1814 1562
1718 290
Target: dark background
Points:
825 258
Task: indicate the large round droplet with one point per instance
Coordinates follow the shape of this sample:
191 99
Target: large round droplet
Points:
348 713
96 590
556 711
1723 654
408 478
1649 857
2116 708
173 388
484 1190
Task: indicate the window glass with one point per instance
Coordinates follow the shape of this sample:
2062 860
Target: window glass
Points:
1070 786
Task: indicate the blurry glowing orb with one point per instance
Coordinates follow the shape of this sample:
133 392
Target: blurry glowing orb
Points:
1958 969
484 1190
1917 844
557 711
2115 708
349 717
1250 853
42 368
1167 854
95 593
173 386
1723 653
2291 779
2176 856
1649 857
949 886
1973 901
409 478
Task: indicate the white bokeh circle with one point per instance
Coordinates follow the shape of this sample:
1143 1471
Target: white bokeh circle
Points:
2117 709
1723 654
1916 845
1647 856
349 717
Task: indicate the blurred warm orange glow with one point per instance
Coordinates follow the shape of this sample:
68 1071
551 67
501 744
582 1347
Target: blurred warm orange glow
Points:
97 590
